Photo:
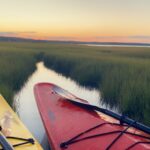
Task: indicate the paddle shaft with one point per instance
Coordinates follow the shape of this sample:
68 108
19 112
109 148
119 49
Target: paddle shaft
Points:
123 119
4 143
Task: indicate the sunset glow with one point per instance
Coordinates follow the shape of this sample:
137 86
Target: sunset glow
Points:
90 20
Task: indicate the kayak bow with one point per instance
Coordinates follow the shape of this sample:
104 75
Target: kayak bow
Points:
71 123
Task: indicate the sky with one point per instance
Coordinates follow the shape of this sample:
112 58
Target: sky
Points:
79 20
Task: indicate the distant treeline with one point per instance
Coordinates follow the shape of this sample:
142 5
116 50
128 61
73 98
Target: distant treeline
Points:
15 39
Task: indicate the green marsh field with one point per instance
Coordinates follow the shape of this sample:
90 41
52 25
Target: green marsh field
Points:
122 74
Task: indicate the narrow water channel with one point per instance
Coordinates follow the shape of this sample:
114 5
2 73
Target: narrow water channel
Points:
25 105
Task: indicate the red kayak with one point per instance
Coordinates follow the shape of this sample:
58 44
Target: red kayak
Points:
74 127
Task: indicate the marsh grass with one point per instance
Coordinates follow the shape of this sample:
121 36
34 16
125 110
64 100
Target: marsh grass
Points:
122 74
15 66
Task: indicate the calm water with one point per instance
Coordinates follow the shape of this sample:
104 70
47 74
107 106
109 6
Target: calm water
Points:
25 105
117 45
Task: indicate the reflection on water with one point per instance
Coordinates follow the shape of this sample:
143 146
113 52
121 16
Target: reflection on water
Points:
25 105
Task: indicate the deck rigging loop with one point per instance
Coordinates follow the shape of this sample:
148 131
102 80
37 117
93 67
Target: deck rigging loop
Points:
133 145
4 144
119 136
77 138
26 141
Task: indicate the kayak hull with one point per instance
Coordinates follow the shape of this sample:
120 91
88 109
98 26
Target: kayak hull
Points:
12 126
64 120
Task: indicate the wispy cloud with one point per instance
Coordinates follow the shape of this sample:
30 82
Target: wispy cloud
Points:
108 37
140 37
124 37
63 38
28 32
16 33
8 33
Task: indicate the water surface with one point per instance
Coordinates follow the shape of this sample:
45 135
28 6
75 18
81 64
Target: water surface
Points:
118 45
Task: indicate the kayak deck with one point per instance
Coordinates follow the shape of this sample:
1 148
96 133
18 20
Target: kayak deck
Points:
64 120
14 129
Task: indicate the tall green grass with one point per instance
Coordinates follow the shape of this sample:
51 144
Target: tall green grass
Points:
122 74
15 67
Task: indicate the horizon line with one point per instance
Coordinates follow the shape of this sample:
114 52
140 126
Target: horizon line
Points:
74 41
